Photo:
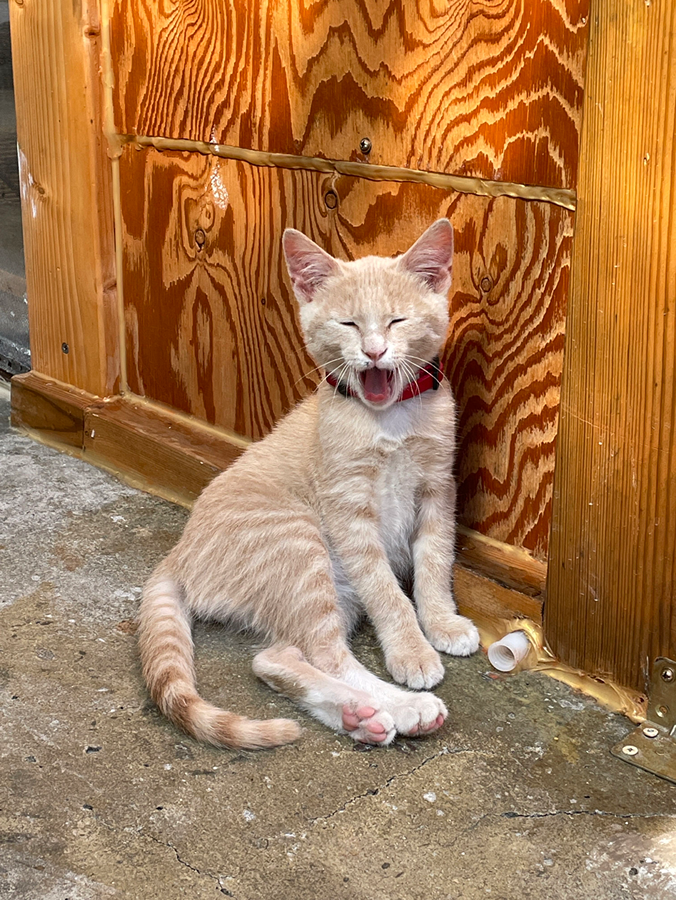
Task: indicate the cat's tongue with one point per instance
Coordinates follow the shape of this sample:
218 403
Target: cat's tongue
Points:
376 385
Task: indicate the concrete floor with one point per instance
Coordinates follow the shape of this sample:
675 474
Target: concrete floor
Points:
100 797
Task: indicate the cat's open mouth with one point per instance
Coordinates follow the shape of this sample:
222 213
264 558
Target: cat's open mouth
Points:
377 384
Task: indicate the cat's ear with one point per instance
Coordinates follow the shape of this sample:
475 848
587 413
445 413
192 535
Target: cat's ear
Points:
431 257
307 263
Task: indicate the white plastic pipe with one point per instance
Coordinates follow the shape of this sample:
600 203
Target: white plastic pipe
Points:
506 654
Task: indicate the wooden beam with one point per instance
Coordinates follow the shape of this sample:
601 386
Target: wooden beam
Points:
512 566
66 193
610 599
156 450
50 412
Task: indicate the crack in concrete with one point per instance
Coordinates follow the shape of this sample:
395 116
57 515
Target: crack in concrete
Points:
373 792
580 812
183 862
133 830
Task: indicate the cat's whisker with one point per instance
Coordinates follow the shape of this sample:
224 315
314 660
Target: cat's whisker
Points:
426 362
411 376
341 372
317 369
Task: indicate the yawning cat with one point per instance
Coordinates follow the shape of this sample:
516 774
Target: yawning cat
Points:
321 521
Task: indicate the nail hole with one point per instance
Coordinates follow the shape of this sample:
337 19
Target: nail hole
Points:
65 347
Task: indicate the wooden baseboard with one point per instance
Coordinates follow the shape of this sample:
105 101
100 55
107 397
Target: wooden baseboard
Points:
511 566
175 457
152 448
155 450
482 598
50 411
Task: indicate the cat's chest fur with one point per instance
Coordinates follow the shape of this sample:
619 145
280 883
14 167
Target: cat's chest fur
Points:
400 452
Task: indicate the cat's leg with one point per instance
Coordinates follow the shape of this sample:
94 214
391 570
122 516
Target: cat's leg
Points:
370 711
333 702
433 553
352 519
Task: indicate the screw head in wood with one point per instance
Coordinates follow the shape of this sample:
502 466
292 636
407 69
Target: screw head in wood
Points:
365 146
65 347
630 750
331 199
668 675
650 732
200 237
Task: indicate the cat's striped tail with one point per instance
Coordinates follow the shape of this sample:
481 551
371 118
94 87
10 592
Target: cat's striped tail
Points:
165 643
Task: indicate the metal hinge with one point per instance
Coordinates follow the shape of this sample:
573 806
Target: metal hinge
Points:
652 746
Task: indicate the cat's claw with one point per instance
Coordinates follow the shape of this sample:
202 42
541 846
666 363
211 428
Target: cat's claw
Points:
457 636
368 725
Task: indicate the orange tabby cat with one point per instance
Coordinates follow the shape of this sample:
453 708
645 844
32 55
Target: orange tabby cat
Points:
319 522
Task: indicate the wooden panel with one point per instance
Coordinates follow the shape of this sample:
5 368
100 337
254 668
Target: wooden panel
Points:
481 598
65 193
511 566
213 332
611 589
155 450
54 412
491 89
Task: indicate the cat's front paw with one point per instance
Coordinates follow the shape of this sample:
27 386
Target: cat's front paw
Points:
418 667
456 635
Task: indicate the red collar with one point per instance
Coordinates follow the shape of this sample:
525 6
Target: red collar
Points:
428 379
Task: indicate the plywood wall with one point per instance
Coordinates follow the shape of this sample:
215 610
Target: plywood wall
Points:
212 327
480 90
492 89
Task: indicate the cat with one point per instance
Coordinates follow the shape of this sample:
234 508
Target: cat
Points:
320 522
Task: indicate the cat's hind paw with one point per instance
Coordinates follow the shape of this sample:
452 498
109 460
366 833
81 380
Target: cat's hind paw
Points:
418 714
457 636
368 725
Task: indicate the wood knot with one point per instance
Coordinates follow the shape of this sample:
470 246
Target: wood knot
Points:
486 284
331 199
200 238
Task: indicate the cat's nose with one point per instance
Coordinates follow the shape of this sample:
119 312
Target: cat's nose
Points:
375 355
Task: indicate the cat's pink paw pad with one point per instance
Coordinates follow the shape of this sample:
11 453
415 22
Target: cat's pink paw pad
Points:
367 725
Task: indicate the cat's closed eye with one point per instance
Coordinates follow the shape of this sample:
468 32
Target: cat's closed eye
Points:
394 321
349 324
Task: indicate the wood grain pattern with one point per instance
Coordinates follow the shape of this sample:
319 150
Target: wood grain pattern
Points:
611 592
65 193
155 450
54 412
488 89
483 600
211 325
511 566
